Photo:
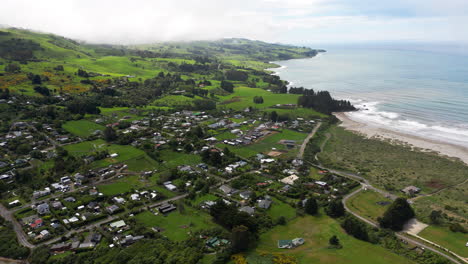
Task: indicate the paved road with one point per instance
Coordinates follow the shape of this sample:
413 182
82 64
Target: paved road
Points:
300 155
400 235
365 184
22 237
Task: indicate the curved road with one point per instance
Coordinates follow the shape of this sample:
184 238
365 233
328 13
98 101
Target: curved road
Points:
400 235
365 184
22 237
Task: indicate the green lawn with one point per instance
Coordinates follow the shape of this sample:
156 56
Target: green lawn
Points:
173 159
136 159
316 230
115 188
177 226
446 238
82 128
279 208
206 197
365 203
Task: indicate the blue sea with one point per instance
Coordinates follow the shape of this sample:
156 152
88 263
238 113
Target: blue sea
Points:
421 91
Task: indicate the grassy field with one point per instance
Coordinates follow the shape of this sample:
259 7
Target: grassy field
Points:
271 141
365 203
206 197
243 97
316 231
82 128
173 159
121 186
446 238
177 226
136 159
394 167
279 208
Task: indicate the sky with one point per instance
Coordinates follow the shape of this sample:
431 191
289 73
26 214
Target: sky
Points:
285 21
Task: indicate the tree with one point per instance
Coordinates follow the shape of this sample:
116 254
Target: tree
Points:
13 68
355 228
396 215
335 209
36 79
110 134
281 220
436 217
274 116
334 241
227 86
311 206
240 238
258 100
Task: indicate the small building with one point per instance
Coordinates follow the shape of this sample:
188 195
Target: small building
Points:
290 243
60 247
118 224
171 187
166 208
411 190
247 209
246 194
226 189
264 203
112 209
43 209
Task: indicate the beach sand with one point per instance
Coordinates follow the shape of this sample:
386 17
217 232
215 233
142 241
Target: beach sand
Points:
422 144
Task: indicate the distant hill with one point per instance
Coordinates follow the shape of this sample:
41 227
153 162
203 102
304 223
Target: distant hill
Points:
69 66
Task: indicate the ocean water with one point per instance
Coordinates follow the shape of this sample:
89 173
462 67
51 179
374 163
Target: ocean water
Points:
420 92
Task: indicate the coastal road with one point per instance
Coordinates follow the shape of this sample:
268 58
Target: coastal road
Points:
365 185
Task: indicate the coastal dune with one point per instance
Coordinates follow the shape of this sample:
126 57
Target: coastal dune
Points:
423 144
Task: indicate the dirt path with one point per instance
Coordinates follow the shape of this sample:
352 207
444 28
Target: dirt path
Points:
300 155
438 191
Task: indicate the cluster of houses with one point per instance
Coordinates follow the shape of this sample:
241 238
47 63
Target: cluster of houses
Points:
90 242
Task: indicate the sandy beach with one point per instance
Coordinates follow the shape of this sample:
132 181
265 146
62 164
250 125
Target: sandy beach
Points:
423 144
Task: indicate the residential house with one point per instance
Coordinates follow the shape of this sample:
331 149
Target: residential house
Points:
247 209
43 209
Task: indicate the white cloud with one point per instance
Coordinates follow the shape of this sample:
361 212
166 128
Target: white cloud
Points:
142 21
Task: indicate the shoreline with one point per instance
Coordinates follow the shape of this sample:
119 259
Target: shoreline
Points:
417 143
